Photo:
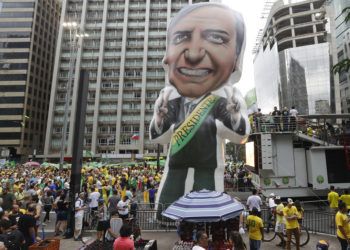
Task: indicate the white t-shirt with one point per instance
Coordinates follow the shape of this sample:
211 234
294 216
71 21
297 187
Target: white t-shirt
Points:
123 207
116 224
254 201
196 247
79 204
293 112
272 203
98 184
94 196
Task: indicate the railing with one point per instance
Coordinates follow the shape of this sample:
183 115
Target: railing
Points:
315 220
237 185
327 128
319 221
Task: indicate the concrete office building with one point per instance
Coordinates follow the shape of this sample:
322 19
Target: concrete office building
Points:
123 55
341 35
292 62
28 31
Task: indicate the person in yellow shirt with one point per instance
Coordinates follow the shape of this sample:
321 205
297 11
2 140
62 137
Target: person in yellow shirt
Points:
256 229
300 209
90 180
290 214
280 223
333 199
343 226
345 198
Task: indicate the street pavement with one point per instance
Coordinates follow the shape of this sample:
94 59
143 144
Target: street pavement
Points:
165 240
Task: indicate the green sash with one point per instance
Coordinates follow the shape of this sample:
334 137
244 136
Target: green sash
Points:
192 123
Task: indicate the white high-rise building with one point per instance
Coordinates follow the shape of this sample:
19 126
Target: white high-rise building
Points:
292 61
123 54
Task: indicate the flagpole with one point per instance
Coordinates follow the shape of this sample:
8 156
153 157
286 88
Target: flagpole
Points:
158 156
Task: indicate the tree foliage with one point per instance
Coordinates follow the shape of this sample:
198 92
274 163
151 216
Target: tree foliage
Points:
347 17
343 65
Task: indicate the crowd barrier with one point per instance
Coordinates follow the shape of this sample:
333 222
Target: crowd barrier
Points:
317 217
315 220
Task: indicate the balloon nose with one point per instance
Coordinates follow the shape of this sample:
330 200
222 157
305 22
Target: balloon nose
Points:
194 55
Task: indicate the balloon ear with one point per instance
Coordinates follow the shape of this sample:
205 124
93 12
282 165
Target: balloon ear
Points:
165 60
234 66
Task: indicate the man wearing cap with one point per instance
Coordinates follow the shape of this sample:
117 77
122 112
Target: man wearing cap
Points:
290 213
79 215
280 223
272 209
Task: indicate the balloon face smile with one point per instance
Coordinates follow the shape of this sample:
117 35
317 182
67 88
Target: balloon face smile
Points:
201 54
188 72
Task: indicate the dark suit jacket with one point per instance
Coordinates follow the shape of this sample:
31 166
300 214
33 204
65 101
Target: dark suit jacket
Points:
201 149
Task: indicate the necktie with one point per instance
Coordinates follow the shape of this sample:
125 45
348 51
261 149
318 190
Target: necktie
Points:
189 107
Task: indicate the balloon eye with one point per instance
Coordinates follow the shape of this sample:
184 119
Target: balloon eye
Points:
180 38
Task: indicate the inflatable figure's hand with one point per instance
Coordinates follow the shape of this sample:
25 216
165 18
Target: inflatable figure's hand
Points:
234 102
161 105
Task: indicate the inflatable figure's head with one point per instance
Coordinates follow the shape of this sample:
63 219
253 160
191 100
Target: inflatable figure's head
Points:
205 45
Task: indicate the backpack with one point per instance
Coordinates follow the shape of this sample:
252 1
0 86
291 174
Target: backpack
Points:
10 241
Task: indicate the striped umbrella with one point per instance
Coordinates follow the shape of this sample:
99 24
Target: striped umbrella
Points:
204 206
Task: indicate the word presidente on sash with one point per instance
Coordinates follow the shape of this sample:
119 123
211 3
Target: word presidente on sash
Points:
192 123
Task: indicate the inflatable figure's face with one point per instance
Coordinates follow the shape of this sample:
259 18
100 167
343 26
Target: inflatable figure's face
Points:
201 53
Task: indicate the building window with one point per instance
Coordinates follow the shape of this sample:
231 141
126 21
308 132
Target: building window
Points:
102 141
89 130
17 5
88 141
15 24
103 129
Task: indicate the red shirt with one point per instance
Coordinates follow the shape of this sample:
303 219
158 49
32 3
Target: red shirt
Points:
123 243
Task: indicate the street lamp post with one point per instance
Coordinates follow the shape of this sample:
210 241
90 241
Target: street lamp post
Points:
73 35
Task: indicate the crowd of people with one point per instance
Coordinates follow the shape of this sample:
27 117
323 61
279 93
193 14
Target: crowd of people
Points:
340 206
112 196
108 195
238 178
287 120
284 120
287 217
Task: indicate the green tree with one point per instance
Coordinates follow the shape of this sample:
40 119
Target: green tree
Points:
343 65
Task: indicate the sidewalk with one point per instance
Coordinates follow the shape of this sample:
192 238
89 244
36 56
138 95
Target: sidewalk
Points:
165 241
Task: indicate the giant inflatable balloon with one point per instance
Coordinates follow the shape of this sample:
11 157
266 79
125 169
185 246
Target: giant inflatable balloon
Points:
200 107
